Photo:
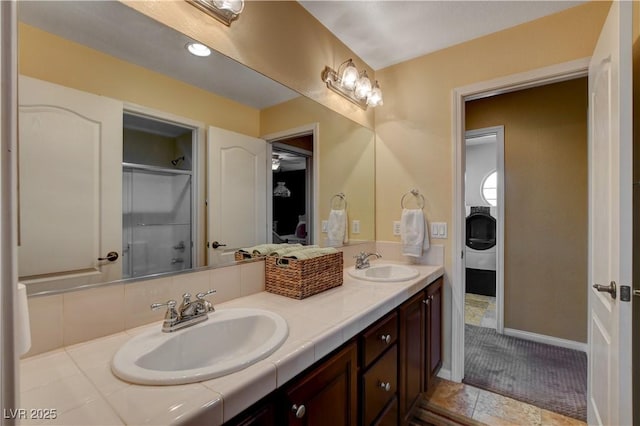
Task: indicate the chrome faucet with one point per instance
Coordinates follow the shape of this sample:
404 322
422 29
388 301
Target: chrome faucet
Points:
362 259
189 312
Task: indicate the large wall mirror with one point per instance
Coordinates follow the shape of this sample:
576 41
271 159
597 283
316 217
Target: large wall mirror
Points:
138 158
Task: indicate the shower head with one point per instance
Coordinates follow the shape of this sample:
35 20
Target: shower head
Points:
177 160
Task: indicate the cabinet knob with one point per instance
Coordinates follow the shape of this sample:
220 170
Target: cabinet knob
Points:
299 411
425 301
386 386
386 338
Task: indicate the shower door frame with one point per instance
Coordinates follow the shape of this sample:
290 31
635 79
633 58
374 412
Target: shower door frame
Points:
198 250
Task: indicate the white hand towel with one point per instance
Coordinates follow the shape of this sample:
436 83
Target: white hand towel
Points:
413 232
337 228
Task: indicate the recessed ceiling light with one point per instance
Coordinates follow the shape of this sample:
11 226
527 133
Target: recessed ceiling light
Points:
198 49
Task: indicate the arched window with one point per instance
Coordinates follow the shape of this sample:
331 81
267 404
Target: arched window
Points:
490 188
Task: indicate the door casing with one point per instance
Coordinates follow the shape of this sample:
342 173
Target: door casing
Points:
534 78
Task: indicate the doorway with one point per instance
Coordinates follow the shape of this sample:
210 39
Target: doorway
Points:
484 227
461 95
294 185
157 196
545 255
291 178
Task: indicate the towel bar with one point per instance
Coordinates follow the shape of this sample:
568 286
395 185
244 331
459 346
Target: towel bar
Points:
416 194
340 196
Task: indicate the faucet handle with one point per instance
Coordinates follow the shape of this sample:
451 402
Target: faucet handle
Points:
205 294
171 304
207 306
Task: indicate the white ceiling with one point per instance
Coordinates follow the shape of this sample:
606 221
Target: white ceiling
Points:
384 33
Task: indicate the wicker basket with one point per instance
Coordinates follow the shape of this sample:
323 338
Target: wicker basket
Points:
303 278
243 255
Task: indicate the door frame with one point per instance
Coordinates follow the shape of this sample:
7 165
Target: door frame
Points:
499 132
198 176
520 81
312 218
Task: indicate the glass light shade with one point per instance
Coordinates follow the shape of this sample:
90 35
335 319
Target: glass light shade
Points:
349 76
363 87
275 164
235 6
375 97
281 191
198 49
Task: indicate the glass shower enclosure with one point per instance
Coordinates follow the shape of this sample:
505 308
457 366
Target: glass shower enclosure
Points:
156 220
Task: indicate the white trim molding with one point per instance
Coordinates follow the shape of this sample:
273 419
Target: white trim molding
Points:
533 78
549 340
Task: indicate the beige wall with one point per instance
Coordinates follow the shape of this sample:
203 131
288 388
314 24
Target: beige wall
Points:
414 126
51 58
545 144
347 155
279 39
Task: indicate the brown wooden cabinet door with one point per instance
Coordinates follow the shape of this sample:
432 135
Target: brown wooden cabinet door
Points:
327 395
412 352
433 328
263 415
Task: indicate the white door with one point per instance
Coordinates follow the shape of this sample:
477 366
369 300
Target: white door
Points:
610 221
237 213
70 183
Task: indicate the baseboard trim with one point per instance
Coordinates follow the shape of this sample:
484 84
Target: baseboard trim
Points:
444 374
549 340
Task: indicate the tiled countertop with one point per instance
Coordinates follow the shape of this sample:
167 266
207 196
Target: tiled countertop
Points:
78 384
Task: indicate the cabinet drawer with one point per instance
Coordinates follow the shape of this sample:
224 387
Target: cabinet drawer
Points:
379 385
390 415
378 338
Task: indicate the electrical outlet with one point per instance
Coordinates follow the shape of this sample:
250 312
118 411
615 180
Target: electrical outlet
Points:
355 227
439 230
325 225
396 227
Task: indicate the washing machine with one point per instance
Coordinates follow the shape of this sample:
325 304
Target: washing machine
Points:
480 251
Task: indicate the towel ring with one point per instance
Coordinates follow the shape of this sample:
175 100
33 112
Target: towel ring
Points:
415 193
340 196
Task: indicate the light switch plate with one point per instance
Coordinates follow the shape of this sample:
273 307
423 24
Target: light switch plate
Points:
355 227
439 230
396 227
325 225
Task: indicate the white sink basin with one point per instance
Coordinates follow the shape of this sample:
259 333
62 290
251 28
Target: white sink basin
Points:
384 273
230 340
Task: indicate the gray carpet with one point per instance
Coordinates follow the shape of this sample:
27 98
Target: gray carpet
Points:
546 376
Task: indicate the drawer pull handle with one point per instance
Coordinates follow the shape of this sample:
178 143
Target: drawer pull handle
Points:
299 411
386 338
386 386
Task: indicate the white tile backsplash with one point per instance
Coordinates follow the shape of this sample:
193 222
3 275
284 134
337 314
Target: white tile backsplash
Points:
84 315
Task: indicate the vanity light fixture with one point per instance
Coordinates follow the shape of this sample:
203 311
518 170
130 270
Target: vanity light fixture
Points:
198 49
352 84
275 163
225 11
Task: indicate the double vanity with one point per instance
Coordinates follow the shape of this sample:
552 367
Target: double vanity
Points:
360 353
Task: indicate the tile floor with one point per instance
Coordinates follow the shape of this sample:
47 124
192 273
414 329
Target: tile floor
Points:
480 310
492 409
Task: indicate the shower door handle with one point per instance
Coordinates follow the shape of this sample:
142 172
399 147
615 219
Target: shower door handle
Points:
112 256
